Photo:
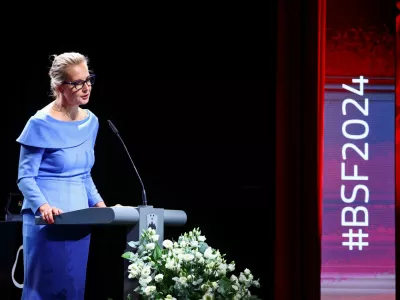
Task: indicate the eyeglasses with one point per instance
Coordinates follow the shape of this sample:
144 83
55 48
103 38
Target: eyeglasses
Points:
78 84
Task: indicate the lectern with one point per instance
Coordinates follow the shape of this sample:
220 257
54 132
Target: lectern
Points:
132 221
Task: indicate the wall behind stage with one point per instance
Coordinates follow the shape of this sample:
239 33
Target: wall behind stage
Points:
197 114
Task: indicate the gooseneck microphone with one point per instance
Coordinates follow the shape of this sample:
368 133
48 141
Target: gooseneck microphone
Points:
115 130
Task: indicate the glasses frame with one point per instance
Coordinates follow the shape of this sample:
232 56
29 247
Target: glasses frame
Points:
82 82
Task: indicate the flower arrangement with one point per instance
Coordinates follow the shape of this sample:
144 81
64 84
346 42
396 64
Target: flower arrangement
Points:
185 269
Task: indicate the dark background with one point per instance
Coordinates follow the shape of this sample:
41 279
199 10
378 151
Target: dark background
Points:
194 102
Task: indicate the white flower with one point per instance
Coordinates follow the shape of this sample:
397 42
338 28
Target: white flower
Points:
208 296
155 237
195 268
208 253
150 246
231 267
256 284
167 244
183 280
180 257
149 289
248 283
170 264
223 267
220 272
146 271
133 267
134 271
177 251
144 281
211 265
242 278
188 257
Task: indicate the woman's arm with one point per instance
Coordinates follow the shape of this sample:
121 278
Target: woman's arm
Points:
28 168
94 197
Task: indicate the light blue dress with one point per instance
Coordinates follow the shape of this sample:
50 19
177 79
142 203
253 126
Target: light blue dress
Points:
55 162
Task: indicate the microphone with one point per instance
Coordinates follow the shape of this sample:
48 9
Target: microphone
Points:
115 130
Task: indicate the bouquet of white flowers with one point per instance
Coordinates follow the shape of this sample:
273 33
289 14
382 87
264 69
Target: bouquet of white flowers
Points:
185 269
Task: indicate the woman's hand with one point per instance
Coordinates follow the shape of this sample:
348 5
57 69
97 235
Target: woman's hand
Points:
48 212
100 204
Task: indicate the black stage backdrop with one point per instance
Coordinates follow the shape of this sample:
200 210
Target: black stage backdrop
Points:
196 109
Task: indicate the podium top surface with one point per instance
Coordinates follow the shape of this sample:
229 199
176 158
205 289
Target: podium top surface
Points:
96 215
115 215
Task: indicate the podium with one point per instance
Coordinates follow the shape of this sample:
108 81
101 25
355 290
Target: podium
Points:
126 224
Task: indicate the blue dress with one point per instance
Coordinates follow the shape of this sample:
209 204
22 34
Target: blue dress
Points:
55 161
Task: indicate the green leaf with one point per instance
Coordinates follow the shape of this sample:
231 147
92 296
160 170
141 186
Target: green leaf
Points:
128 255
156 255
158 251
224 286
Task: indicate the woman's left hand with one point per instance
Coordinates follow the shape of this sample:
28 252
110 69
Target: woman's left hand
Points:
100 204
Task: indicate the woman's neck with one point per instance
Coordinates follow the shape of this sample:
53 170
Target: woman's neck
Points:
69 111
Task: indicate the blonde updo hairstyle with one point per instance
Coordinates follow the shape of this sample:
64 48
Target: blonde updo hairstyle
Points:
58 67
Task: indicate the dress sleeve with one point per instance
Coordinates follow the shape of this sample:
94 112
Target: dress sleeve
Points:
92 192
29 162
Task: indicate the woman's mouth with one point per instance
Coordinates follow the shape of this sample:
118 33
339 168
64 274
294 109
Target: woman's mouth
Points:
85 97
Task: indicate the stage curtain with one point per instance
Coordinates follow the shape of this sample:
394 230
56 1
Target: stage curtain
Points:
299 152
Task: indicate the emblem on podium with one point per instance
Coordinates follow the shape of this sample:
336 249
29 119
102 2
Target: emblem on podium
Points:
152 221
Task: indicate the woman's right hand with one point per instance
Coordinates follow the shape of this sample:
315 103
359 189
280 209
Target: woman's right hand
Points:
47 213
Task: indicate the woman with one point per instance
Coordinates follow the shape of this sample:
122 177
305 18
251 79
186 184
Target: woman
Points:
56 157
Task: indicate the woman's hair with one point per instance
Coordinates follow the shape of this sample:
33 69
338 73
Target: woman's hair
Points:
60 63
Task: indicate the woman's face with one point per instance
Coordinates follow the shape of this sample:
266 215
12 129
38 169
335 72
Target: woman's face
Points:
78 85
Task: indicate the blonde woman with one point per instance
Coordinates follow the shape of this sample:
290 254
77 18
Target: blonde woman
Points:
56 157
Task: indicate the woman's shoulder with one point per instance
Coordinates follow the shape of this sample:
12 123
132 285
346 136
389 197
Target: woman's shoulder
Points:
43 130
